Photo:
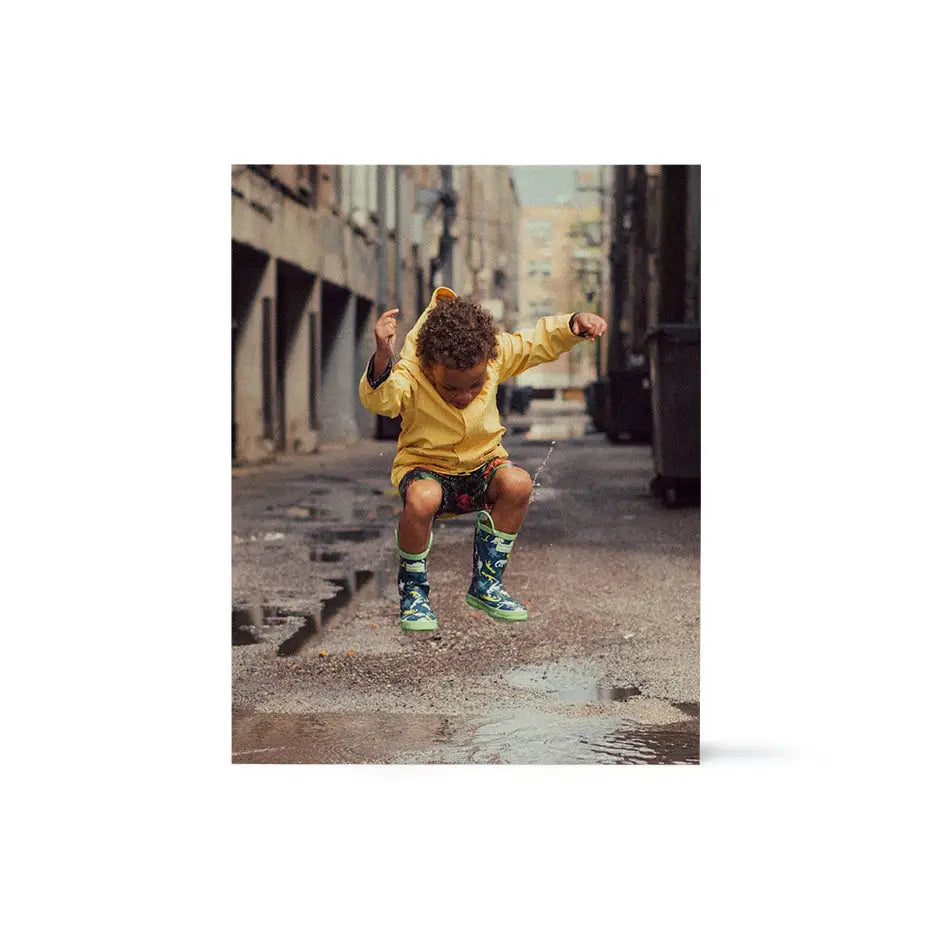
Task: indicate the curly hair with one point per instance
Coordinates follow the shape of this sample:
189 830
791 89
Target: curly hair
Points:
457 334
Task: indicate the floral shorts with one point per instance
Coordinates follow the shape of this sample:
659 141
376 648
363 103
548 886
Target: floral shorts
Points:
461 494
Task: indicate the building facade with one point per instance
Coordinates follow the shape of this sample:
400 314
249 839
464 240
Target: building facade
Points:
317 252
562 270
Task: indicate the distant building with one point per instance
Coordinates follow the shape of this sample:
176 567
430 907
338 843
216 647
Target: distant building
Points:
561 270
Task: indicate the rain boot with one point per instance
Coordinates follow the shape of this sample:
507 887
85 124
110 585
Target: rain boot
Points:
489 558
416 614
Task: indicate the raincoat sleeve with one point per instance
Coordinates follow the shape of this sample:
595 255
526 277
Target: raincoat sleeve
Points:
546 342
387 393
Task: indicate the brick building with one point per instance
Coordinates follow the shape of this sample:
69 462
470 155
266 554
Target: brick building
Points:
561 270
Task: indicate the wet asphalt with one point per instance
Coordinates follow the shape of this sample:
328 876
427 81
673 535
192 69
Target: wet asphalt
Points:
605 670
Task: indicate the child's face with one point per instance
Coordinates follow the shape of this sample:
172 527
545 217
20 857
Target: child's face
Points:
459 387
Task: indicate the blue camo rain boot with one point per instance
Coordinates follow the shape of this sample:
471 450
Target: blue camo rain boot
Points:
416 614
489 558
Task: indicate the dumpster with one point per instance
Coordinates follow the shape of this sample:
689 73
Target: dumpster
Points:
595 395
387 428
520 400
675 405
513 398
628 403
503 400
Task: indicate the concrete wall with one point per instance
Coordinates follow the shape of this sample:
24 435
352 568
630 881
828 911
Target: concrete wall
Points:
338 417
300 404
253 281
487 239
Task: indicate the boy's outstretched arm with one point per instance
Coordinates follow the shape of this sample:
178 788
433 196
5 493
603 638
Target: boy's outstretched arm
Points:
381 388
546 342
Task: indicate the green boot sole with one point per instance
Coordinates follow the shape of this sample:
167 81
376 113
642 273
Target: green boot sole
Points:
516 616
418 625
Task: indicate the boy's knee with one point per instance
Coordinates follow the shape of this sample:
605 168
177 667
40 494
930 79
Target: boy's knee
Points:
514 482
423 497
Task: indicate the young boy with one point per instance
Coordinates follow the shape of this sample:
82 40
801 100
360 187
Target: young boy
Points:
450 459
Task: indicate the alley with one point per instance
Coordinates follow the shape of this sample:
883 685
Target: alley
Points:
604 671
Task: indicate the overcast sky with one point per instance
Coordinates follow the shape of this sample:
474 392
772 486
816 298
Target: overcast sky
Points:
545 185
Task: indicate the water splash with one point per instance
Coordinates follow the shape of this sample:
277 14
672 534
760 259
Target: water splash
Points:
534 485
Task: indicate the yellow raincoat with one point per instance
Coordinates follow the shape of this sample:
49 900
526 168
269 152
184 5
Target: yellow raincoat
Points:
438 436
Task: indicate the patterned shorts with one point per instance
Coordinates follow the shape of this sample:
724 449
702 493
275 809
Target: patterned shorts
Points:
461 494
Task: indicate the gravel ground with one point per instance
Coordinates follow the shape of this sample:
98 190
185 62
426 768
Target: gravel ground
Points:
605 670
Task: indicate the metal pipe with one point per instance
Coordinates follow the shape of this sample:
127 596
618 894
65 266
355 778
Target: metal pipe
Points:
398 238
449 216
381 254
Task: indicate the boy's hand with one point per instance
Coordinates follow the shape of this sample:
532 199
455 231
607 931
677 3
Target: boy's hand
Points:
386 332
588 325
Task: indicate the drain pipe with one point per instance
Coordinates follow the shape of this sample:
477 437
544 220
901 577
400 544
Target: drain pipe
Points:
444 258
398 239
381 254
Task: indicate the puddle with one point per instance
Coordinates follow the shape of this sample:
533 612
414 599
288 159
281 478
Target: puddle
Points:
326 556
334 737
566 682
517 737
316 477
356 535
691 708
249 624
301 511
242 625
532 737
593 693
312 624
346 515
649 746
297 641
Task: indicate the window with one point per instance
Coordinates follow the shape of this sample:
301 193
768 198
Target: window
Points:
538 229
371 182
357 197
336 188
532 268
307 184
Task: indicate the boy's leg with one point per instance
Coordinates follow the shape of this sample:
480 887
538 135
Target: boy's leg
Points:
508 493
422 498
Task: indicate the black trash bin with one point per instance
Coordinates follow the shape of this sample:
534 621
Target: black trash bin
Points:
521 399
596 403
387 428
503 400
675 405
628 403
